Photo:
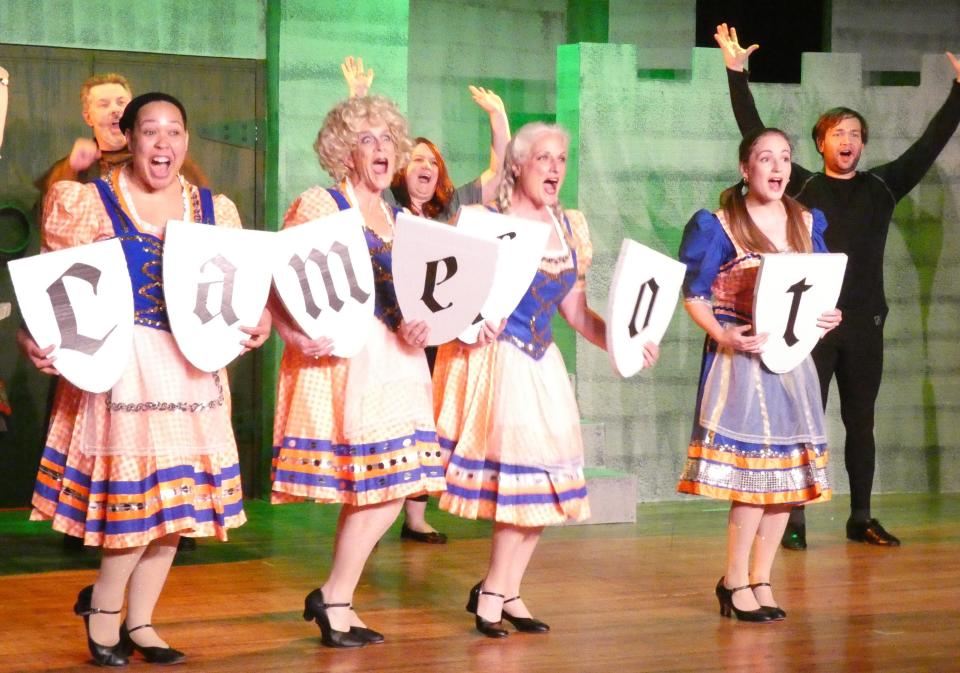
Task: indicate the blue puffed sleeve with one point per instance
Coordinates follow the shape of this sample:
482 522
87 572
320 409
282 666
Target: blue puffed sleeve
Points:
819 227
705 247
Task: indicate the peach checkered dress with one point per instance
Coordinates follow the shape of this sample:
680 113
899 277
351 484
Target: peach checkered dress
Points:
156 454
506 414
357 430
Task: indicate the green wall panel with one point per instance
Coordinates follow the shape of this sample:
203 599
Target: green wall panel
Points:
225 28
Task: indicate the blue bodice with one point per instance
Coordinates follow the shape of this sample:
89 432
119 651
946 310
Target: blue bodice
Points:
528 327
386 308
144 255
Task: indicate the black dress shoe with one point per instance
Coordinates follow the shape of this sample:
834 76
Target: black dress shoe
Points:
433 537
371 636
315 609
525 624
164 656
103 655
794 536
870 532
489 629
777 612
728 609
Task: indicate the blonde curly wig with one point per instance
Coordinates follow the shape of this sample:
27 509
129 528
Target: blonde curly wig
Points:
338 136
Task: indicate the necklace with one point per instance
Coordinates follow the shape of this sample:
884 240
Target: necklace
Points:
564 249
354 201
132 210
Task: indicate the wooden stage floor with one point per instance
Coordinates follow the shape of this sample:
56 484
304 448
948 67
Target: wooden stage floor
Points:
619 598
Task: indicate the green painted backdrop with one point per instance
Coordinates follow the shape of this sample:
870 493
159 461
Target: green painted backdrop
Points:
655 142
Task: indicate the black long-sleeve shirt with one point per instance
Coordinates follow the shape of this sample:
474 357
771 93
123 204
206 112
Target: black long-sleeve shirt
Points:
858 209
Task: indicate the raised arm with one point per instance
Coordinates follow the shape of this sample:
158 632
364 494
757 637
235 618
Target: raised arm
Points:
358 80
903 173
741 100
499 138
735 59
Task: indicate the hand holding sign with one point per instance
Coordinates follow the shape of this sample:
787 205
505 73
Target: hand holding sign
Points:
522 244
643 296
79 302
793 302
215 283
442 275
324 277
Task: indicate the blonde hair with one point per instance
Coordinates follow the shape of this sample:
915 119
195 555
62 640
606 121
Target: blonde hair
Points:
338 136
518 152
97 80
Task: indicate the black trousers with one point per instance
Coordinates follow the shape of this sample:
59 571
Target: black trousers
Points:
853 352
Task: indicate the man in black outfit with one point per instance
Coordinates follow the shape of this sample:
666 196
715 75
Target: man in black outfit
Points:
858 206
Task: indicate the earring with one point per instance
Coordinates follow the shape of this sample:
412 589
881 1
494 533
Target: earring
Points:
744 186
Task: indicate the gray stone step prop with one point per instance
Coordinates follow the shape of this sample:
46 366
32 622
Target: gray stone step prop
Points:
612 493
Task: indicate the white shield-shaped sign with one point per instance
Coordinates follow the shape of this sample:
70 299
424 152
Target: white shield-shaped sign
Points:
442 275
215 281
79 300
324 277
641 303
792 291
522 243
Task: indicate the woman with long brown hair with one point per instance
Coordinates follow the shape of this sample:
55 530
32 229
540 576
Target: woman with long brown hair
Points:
759 438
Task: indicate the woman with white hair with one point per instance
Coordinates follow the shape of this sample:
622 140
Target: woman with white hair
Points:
359 431
506 414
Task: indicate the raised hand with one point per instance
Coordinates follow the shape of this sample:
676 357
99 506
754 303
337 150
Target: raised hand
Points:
85 151
955 63
358 80
487 100
734 56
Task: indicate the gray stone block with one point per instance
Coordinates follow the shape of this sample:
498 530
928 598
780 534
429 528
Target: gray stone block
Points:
613 496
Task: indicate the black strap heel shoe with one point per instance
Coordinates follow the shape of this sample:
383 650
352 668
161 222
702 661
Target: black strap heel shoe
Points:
777 612
727 608
103 655
371 636
489 629
524 624
315 609
164 656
